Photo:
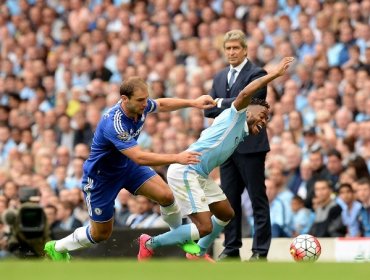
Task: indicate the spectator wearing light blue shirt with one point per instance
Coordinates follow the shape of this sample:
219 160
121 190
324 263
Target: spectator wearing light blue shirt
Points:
302 217
278 211
350 209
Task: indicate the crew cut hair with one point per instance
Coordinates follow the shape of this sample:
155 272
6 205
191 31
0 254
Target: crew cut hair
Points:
261 102
129 86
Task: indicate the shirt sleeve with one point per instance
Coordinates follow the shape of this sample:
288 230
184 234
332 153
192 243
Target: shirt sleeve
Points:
152 106
118 134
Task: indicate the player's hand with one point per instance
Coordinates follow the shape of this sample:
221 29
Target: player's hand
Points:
284 65
204 102
188 157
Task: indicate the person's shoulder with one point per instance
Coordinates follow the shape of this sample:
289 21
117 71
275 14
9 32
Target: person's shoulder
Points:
255 68
222 72
112 120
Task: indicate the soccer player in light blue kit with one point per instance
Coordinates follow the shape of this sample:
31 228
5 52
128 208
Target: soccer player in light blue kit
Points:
199 197
116 162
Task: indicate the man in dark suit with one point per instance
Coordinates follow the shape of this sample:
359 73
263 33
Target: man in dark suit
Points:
246 166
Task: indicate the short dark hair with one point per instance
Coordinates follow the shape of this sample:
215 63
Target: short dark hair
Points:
129 86
298 199
261 102
345 186
363 181
327 182
334 152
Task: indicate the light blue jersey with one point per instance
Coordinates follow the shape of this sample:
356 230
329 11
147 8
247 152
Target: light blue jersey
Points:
219 141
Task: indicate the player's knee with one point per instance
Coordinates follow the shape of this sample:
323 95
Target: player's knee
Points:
226 215
229 215
205 229
166 198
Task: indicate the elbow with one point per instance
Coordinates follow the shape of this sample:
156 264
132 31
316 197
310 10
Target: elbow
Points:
139 159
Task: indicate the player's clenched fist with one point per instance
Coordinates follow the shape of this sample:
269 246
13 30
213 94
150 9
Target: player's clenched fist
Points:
204 102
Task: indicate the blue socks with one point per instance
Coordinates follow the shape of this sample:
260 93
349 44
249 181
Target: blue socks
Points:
179 235
207 240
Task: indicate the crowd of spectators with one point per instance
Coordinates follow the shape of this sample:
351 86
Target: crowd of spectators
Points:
61 64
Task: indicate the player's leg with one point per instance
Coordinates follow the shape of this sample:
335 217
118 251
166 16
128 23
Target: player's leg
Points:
84 237
156 189
221 210
100 209
191 198
222 214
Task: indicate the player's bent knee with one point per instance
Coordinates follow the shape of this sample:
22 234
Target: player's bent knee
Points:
205 229
226 216
166 199
229 215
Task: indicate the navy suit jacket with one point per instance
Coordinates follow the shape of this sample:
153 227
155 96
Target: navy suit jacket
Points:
220 89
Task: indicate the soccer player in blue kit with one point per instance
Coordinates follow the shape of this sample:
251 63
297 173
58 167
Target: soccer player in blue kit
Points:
116 161
199 197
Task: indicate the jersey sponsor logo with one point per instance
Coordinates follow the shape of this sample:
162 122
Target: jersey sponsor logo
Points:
137 131
98 211
124 136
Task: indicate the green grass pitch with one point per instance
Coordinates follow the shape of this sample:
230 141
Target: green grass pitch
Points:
179 270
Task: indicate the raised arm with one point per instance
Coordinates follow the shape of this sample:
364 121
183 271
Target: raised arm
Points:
244 97
172 104
141 157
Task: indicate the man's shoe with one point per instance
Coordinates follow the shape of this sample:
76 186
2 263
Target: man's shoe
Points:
191 247
50 251
226 257
205 257
256 257
144 252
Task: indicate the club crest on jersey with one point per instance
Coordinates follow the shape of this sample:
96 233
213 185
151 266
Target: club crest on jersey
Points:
98 211
124 136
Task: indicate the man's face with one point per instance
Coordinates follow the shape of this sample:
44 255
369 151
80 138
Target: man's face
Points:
334 165
137 103
322 192
235 53
346 194
363 193
316 161
257 117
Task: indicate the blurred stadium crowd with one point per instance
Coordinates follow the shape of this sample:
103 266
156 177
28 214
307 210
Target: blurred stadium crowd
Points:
61 64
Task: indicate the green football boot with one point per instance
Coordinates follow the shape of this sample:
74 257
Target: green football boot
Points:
50 251
191 247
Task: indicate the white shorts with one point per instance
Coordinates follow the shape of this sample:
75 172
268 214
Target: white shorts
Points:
192 191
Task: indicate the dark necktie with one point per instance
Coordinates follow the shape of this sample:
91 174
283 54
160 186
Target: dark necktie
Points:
232 77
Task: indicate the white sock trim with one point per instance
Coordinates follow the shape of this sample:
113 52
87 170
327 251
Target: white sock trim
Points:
221 223
171 209
194 232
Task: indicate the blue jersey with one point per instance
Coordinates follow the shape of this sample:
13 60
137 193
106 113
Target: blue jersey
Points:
115 132
219 141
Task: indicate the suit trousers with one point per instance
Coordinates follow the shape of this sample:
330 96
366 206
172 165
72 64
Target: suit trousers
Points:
242 171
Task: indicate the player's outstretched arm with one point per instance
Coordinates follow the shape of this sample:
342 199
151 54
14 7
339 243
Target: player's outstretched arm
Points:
141 157
244 97
172 104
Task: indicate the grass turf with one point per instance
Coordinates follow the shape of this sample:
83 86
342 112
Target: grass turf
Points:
179 270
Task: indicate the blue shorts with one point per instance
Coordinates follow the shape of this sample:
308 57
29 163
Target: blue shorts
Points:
101 192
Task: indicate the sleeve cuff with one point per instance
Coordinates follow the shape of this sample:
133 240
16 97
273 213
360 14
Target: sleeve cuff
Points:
219 102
